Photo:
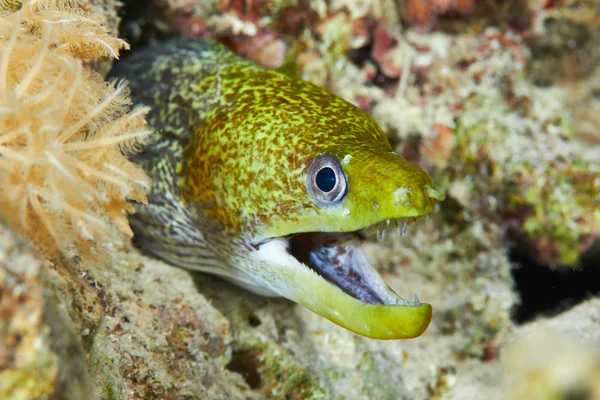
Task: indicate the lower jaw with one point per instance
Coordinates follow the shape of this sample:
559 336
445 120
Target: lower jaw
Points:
376 321
337 282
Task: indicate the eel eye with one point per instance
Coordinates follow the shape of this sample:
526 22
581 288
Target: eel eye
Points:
327 181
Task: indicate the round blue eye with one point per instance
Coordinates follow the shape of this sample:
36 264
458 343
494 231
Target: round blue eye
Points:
325 179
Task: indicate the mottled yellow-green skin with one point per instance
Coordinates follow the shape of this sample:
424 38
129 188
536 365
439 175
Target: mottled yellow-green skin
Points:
271 120
229 164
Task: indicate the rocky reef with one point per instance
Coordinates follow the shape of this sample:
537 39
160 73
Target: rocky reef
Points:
497 102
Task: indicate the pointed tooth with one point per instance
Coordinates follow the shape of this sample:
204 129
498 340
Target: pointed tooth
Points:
380 234
404 228
417 302
387 222
406 302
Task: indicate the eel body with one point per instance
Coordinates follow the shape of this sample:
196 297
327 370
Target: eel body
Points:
272 183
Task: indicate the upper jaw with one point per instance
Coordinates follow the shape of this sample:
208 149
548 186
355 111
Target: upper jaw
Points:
398 224
337 258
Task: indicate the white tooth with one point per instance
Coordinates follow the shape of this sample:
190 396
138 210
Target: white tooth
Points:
380 234
406 302
417 302
387 222
404 228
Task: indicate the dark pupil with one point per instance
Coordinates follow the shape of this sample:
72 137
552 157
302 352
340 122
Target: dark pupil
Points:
325 179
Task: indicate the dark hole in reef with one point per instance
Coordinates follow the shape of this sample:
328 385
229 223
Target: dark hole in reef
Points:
545 291
138 26
254 321
246 363
581 393
363 54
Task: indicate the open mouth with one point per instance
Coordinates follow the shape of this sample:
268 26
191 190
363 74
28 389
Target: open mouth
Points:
337 258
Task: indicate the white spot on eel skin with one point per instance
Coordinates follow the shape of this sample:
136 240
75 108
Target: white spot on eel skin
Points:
401 192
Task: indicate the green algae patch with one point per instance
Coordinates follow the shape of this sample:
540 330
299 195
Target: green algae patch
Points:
30 381
108 393
552 197
269 369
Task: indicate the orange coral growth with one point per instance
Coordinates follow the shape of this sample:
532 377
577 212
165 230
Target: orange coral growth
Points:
423 12
63 130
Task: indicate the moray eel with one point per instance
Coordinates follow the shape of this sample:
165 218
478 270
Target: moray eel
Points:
272 183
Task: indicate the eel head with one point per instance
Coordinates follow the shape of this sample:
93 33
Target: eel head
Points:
315 258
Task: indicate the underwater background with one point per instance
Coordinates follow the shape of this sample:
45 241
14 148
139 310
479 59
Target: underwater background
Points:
498 100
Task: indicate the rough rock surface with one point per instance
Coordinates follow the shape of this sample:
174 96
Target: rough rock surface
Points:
41 355
153 331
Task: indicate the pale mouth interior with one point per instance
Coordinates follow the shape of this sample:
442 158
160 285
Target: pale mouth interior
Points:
337 258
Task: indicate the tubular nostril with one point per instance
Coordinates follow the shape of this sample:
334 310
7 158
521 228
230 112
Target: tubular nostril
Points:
434 194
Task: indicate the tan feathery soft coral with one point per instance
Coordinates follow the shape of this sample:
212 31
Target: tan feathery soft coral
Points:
74 32
63 130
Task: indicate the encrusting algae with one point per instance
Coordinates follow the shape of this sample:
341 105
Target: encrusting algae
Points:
63 129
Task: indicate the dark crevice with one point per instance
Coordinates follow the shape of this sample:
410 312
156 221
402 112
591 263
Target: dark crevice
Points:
546 291
139 25
360 57
246 363
254 321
